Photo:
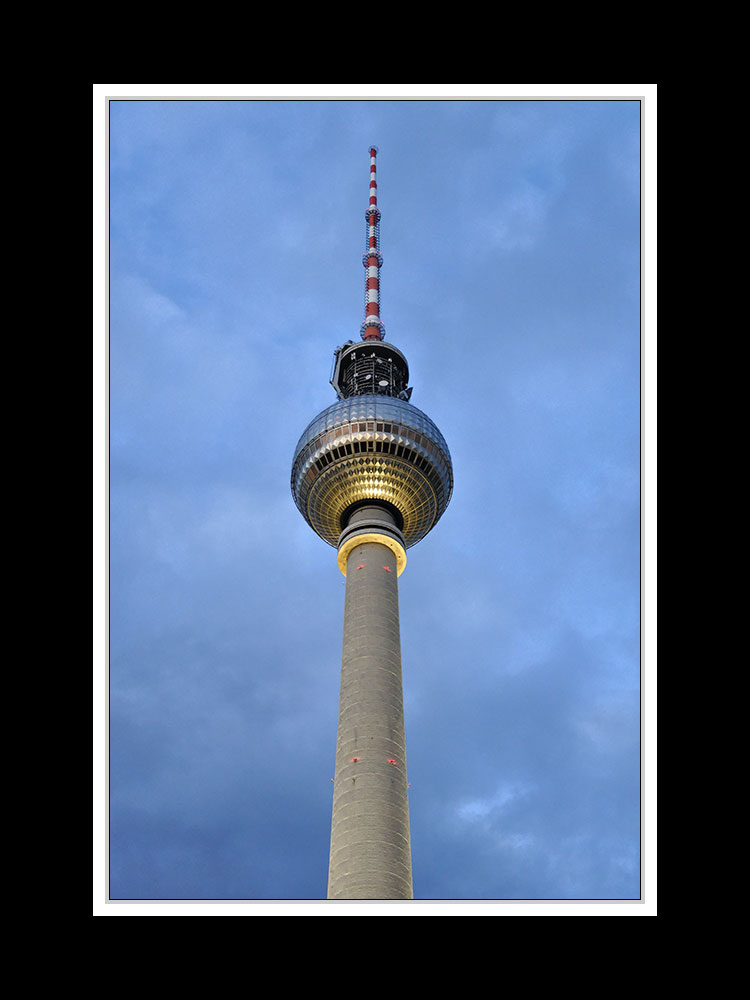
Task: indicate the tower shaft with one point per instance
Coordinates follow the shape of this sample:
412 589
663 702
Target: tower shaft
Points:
370 847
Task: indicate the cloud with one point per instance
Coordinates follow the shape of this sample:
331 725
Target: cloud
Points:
517 223
480 810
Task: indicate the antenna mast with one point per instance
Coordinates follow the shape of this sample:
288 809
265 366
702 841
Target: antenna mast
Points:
372 328
375 367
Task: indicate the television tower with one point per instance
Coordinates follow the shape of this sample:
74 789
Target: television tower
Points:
371 475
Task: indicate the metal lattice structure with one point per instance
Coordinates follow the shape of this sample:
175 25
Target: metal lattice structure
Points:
374 367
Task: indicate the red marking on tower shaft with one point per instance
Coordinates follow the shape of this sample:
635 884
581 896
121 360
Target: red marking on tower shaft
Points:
372 328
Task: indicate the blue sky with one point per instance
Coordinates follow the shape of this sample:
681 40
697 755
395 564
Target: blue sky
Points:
511 238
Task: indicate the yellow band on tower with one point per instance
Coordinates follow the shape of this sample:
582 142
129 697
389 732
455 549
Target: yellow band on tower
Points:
372 536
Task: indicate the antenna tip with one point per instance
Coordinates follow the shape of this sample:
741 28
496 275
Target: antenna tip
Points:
373 150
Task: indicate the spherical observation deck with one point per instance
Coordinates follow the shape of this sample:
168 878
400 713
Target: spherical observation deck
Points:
372 449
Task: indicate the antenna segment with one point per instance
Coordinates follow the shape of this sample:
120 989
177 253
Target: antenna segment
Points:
372 328
374 367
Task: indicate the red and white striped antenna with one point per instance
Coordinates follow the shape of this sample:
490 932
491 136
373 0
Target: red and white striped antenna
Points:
372 328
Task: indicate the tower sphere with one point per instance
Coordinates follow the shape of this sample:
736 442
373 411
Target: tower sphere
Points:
372 448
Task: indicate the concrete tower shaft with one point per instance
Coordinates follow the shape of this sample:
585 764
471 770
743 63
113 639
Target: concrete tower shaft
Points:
370 846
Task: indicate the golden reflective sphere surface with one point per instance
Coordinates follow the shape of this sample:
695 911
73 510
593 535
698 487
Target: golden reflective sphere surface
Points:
372 447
